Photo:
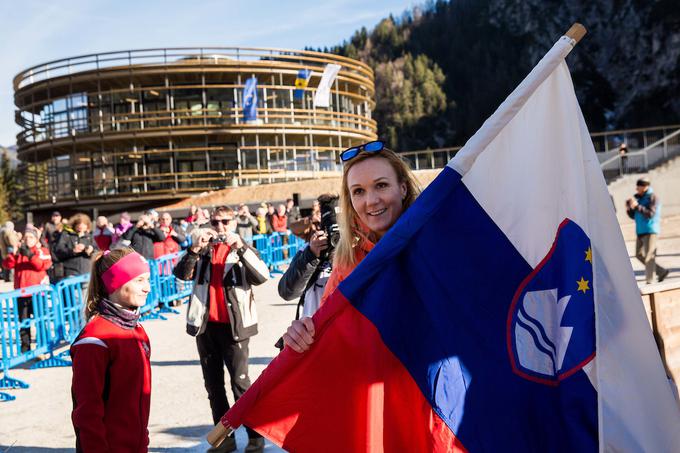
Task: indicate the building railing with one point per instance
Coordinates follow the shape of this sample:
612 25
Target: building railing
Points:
197 118
187 56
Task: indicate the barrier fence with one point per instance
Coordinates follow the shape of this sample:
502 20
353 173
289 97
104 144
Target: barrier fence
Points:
55 313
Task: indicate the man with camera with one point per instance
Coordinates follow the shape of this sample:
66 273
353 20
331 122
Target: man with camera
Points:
310 269
221 313
143 235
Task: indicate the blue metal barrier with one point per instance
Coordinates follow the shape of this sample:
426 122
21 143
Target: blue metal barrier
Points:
169 287
149 309
46 321
72 297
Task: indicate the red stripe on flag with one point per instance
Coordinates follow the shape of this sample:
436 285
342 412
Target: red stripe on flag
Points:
348 393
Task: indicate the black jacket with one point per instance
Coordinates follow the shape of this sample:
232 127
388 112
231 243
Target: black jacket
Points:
74 263
142 240
296 278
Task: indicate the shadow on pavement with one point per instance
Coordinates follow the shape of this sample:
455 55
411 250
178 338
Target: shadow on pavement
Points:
189 432
14 449
175 362
260 360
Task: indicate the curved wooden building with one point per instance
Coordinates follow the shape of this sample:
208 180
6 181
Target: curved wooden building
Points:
123 130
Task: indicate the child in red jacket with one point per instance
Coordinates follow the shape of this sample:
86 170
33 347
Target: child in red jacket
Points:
30 263
111 386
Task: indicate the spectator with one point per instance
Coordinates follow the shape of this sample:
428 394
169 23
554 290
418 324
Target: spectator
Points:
623 153
245 224
280 220
292 211
50 238
310 269
30 263
76 246
280 225
174 237
271 210
645 209
121 228
263 224
103 233
9 241
221 311
143 235
193 214
111 386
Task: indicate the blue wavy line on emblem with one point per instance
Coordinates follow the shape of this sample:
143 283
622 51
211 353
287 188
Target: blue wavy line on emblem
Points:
539 346
539 326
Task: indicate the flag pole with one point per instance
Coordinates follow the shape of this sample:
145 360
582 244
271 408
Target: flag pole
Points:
218 434
576 32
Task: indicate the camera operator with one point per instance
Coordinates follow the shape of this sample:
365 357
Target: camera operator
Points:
308 273
143 235
221 313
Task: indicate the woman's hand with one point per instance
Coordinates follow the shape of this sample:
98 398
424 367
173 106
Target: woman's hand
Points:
300 334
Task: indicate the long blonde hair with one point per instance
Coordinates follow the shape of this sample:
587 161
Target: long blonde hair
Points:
351 231
96 290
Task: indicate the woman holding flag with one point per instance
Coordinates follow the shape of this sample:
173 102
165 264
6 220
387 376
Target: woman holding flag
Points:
377 187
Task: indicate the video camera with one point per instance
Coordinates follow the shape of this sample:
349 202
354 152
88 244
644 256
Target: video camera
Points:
328 205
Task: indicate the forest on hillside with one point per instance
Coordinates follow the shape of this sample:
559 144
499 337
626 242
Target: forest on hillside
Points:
442 68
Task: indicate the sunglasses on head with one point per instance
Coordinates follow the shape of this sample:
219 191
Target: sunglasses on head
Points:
370 147
215 222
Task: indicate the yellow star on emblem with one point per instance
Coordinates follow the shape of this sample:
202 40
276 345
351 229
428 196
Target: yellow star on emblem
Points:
582 285
589 255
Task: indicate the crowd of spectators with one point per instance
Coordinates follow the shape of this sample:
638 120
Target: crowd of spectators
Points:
71 243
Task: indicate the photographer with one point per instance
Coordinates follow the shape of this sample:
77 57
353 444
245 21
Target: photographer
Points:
76 246
30 264
310 269
143 235
221 313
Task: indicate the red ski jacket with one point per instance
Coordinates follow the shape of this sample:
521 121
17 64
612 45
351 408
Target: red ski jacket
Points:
29 270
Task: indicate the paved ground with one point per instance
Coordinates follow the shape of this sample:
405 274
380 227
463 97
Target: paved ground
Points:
38 420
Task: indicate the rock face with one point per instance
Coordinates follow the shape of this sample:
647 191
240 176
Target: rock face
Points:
626 70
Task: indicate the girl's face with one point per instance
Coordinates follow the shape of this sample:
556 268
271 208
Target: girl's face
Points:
376 193
132 294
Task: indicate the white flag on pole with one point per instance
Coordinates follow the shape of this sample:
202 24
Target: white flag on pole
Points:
323 91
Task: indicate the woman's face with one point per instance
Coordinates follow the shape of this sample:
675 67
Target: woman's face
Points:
133 293
377 195
30 240
81 228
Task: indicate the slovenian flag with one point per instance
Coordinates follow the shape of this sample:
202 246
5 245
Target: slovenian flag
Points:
301 83
500 313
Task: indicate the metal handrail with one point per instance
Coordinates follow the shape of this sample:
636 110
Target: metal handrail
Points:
641 152
172 55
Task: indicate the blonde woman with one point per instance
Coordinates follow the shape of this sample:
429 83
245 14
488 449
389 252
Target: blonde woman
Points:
377 187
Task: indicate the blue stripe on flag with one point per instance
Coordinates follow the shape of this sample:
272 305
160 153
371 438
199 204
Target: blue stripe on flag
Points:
438 288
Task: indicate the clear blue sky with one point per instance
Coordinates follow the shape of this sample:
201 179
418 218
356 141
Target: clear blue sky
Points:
37 31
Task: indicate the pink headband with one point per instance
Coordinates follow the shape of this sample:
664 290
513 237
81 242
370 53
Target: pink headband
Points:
125 269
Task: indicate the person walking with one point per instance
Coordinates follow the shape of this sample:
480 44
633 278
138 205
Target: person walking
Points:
111 385
645 209
221 313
